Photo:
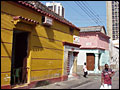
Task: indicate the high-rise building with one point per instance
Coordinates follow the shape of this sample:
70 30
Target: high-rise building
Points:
113 19
56 7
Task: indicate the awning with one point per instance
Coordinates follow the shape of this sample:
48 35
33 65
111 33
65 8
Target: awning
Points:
17 19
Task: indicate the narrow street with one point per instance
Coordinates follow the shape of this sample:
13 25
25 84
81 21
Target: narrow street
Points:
92 82
52 44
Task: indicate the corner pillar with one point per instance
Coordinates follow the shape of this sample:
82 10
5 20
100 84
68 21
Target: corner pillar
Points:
96 70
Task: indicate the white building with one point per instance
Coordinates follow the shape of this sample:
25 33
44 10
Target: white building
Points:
112 9
114 54
56 7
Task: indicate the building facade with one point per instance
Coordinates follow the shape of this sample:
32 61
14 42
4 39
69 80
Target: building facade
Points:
114 54
34 43
56 7
113 19
94 49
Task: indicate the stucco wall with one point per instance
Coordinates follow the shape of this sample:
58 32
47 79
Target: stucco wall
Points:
88 40
94 40
114 55
104 58
46 49
103 42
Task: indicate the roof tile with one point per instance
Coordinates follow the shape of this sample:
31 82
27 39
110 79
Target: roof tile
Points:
48 13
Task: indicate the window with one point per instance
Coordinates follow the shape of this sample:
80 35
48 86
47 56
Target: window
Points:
112 5
59 10
112 2
116 24
62 11
50 7
112 13
113 37
112 17
113 32
54 8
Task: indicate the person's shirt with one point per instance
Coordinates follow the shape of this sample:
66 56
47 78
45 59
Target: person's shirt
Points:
106 75
84 68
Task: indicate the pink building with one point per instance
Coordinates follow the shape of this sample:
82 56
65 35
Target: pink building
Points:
95 39
94 48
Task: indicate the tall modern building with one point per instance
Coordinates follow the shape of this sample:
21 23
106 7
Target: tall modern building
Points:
56 7
113 19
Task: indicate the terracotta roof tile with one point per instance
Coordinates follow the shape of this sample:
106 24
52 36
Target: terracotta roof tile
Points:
63 20
26 19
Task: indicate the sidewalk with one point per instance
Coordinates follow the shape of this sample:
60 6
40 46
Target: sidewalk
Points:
71 83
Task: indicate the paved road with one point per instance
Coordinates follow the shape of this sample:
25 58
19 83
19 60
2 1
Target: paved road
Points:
95 83
92 82
115 81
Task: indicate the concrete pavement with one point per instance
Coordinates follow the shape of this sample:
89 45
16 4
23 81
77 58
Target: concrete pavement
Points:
95 84
71 83
115 81
92 82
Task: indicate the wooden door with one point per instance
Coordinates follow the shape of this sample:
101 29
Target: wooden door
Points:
90 61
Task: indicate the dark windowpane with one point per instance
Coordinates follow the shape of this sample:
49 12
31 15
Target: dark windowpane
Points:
62 11
59 10
50 7
54 8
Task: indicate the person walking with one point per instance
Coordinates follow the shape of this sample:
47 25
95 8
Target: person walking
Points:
85 70
106 77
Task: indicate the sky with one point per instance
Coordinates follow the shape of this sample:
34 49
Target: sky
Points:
79 18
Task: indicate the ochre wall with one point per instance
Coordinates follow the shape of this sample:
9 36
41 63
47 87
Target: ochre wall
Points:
45 58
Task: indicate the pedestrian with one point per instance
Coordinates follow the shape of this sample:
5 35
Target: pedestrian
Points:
85 70
106 77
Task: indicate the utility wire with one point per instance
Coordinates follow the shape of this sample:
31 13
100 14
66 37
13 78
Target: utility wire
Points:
68 4
96 18
90 12
93 11
73 8
81 6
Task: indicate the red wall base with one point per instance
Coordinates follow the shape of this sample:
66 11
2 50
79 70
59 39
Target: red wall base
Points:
6 87
33 84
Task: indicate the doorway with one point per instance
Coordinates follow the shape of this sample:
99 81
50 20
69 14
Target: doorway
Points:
70 62
90 61
19 57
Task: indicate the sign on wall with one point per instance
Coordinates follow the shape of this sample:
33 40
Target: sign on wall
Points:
76 39
88 44
47 21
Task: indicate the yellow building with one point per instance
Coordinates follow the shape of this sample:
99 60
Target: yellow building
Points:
35 45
